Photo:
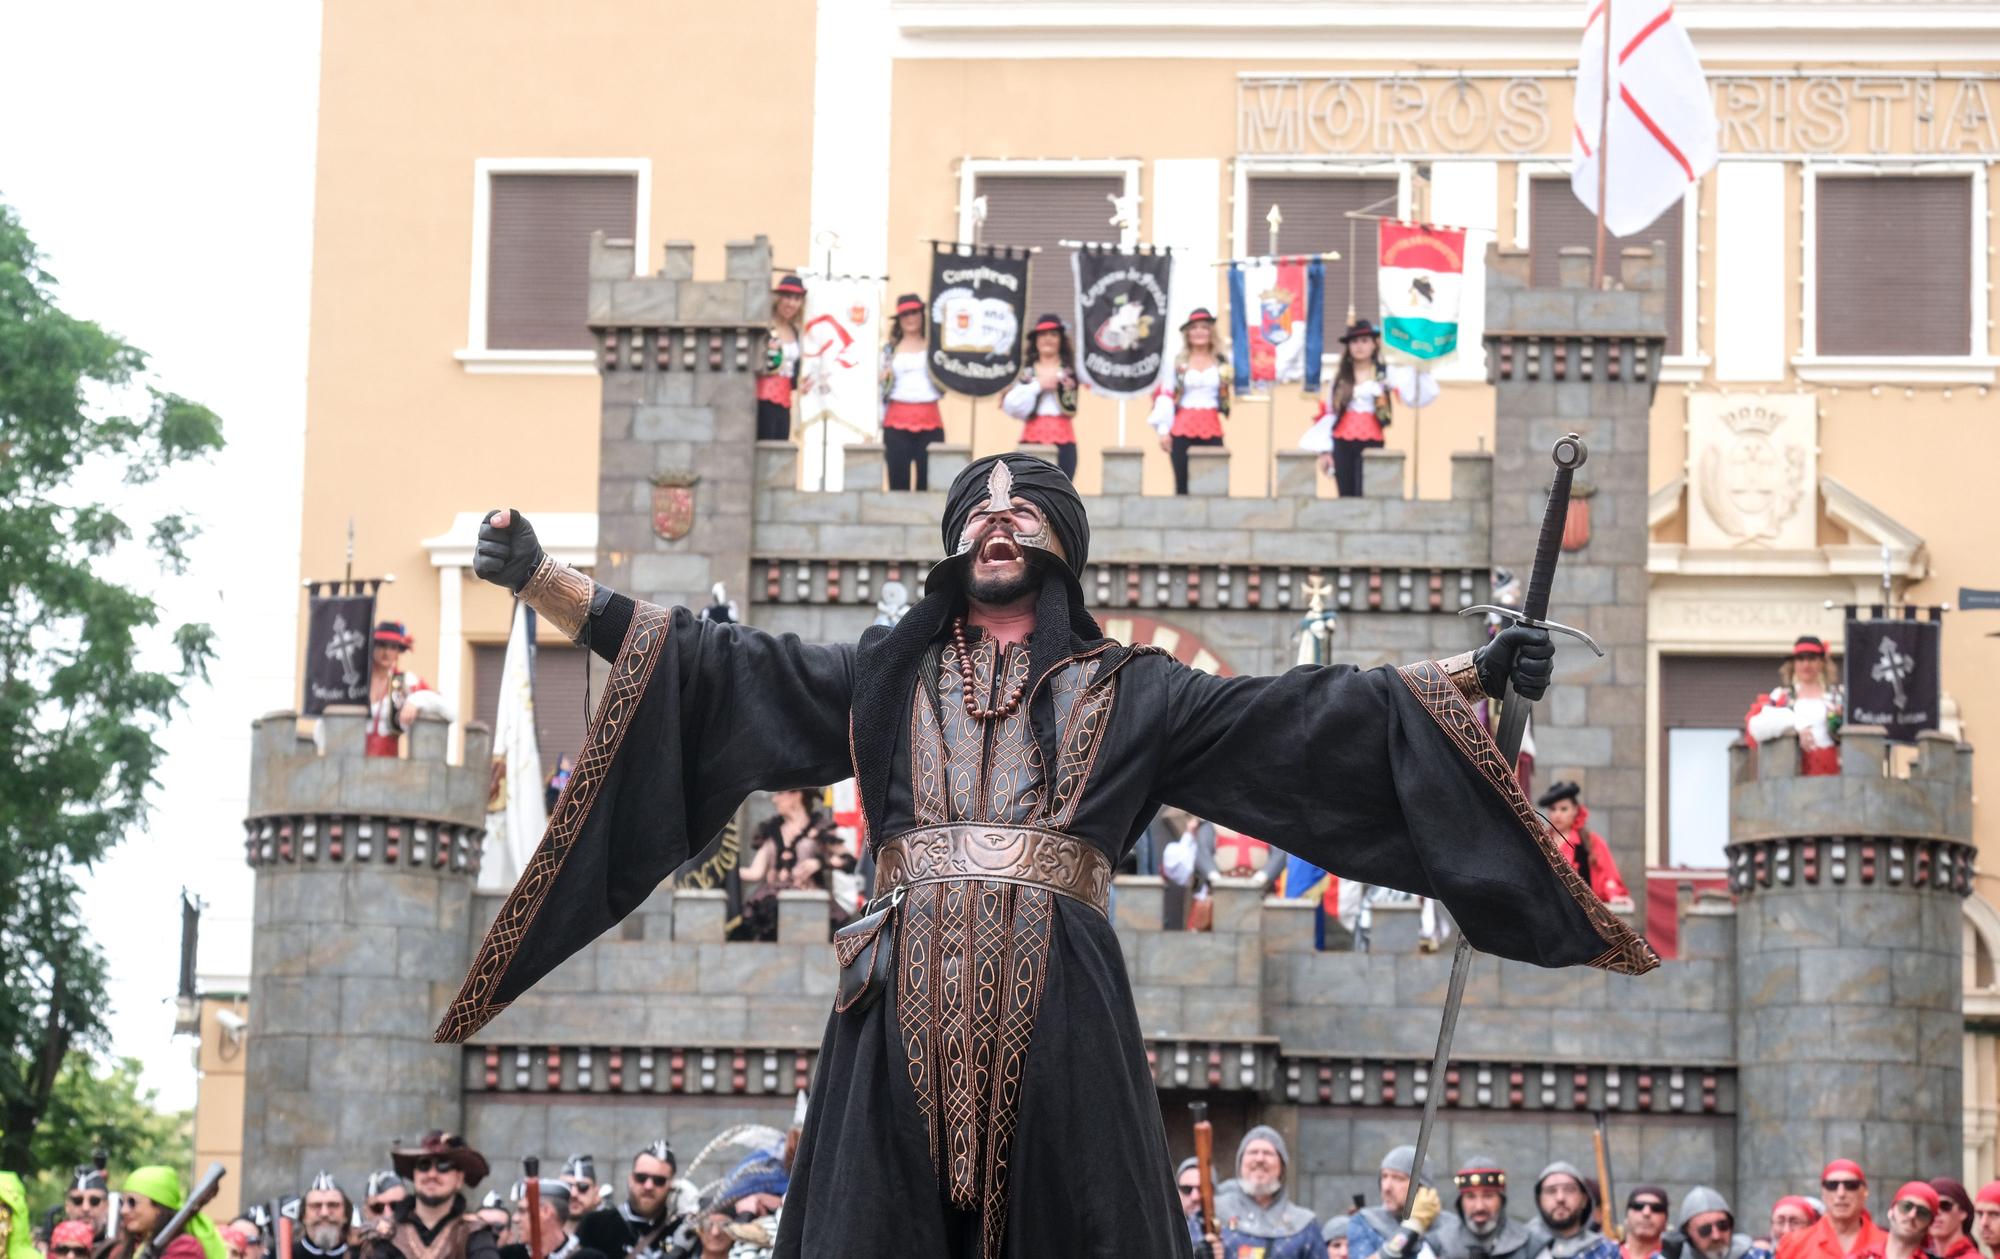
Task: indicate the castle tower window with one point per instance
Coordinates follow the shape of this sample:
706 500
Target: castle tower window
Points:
1893 264
1315 211
1557 220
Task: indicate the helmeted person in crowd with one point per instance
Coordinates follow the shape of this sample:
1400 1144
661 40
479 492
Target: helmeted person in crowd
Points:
1986 1216
558 1242
1585 848
1845 1228
1371 1229
1479 1228
1569 1228
17 1231
656 1201
1645 1222
148 1198
396 698
1806 701
1911 1213
324 1214
1001 675
1254 1215
1334 1234
88 1198
579 1172
495 1214
1187 1183
434 1222
1951 1229
1709 1225
385 1192
1790 1214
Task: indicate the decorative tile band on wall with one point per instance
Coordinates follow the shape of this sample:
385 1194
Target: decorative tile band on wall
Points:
1834 861
1580 358
738 1071
313 839
727 349
1115 585
1511 1086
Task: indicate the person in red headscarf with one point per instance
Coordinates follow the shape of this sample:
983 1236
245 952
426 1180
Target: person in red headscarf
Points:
396 698
1192 397
1806 702
1845 1228
1045 395
1953 1222
1911 1214
910 416
1986 1216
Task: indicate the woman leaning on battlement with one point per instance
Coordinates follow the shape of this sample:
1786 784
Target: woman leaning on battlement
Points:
778 376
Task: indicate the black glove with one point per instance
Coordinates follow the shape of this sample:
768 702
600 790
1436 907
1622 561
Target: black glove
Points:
1520 654
507 555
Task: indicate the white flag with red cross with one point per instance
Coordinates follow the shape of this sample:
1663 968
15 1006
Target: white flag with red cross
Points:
1661 134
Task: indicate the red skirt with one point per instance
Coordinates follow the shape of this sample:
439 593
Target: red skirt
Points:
1358 426
1196 422
776 389
912 417
1053 429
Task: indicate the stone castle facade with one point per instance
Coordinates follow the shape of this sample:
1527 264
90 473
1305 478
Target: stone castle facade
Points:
1818 1014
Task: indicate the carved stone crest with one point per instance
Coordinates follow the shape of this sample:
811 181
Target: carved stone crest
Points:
673 504
1751 471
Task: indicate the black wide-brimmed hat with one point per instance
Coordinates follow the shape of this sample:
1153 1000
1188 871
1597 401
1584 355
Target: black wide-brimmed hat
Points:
1558 791
1360 328
1200 314
447 1146
909 304
789 285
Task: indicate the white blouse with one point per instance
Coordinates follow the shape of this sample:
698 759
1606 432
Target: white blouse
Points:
1026 400
911 378
1201 390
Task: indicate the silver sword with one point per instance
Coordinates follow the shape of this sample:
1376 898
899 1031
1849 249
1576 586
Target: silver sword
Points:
1568 455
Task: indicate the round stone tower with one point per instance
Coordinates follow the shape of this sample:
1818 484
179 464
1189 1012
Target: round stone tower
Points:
364 874
1849 1015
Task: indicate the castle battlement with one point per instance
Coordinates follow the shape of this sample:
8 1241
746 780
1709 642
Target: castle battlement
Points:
324 800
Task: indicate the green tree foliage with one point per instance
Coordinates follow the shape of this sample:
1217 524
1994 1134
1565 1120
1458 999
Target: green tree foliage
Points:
92 1108
78 712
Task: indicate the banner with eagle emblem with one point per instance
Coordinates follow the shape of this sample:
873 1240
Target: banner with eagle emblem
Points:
1421 273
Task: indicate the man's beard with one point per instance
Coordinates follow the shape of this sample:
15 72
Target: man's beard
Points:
1571 1220
325 1234
1000 590
435 1199
1262 1186
1490 1227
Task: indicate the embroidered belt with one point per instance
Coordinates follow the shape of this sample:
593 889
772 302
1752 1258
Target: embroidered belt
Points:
1023 855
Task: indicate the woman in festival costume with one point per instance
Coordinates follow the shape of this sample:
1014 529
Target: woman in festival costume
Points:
1803 701
1361 404
1045 395
1585 848
779 379
1193 395
910 417
395 698
791 851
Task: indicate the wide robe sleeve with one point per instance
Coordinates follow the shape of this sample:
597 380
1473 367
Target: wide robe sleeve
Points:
1387 777
695 716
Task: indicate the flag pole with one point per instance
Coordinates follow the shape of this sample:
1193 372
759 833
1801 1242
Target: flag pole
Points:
1272 220
1603 151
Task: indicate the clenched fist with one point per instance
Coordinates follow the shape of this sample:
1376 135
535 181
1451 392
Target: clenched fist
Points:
1424 1208
508 550
1520 654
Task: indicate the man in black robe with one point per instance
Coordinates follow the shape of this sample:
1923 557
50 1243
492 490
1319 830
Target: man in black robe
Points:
984 1092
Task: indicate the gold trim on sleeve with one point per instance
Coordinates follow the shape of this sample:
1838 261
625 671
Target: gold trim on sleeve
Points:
560 595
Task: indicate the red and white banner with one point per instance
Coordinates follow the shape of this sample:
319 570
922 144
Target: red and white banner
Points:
1661 135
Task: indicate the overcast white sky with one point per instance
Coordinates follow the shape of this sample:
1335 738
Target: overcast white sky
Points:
161 155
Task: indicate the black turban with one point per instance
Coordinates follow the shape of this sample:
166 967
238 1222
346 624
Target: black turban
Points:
885 667
1038 481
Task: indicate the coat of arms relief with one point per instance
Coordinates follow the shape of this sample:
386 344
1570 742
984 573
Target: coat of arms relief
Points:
1752 467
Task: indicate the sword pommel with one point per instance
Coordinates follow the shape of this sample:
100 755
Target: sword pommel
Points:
1570 452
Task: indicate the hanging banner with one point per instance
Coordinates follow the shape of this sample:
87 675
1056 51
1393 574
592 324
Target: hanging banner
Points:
1121 317
1421 274
516 814
1892 675
1276 324
979 300
839 390
337 659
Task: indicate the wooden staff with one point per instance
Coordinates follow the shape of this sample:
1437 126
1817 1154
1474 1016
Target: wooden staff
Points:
531 1167
284 1236
1204 1154
1604 1182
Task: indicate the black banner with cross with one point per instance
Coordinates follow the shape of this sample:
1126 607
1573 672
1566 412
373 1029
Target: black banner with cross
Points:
337 650
1893 671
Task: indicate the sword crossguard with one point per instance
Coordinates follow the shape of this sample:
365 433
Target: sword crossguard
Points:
1517 617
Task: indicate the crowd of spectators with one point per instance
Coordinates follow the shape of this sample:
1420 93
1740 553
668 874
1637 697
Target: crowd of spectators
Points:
1255 1217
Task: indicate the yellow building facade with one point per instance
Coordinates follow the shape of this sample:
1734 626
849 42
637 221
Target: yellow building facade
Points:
1832 277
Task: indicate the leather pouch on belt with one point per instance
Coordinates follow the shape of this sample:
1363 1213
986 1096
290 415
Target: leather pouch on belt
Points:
865 949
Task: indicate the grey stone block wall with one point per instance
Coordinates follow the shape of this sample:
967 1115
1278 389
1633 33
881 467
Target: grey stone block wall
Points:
1850 1026
361 935
1573 360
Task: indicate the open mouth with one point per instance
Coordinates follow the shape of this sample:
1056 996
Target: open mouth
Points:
999 549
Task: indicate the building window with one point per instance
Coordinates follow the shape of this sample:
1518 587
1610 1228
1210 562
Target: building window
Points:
1035 209
1557 220
1893 264
1315 209
538 255
560 682
1703 700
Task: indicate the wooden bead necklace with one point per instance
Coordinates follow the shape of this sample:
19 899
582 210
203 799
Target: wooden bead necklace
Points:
968 686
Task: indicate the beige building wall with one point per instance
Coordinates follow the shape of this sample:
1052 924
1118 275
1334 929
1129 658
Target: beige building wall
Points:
218 1112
